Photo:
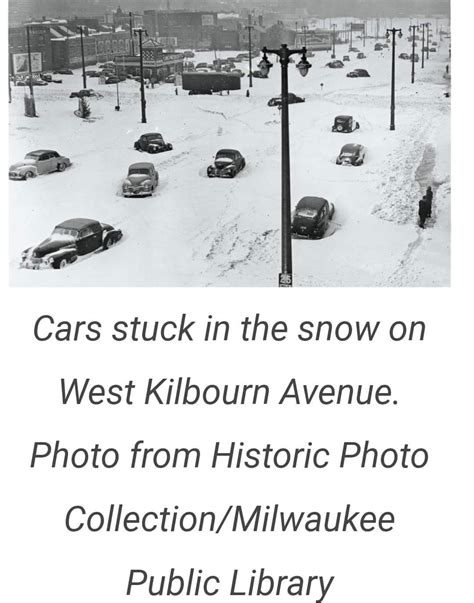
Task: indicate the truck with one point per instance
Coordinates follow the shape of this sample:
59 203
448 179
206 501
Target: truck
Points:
207 83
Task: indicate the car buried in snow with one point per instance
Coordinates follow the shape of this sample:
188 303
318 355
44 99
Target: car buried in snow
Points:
358 73
311 217
404 55
152 142
351 154
292 99
69 240
361 55
227 164
346 58
345 123
37 163
142 179
335 64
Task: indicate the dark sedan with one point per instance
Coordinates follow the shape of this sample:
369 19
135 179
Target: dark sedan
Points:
152 142
351 154
311 217
68 241
292 99
227 164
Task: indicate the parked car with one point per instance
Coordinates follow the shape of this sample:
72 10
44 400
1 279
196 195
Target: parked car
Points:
152 142
335 64
37 163
46 77
81 93
378 46
345 123
351 154
386 45
188 54
358 73
203 66
92 73
361 55
170 79
113 79
258 74
432 49
64 71
141 181
292 99
34 82
68 241
415 58
311 217
227 164
404 56
346 58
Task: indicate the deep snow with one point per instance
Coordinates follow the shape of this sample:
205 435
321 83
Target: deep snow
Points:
213 232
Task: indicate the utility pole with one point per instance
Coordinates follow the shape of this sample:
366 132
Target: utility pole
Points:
249 29
31 109
350 42
139 32
304 29
393 32
132 49
84 78
423 25
333 55
413 29
428 25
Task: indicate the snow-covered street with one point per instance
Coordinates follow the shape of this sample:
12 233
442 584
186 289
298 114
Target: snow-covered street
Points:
196 231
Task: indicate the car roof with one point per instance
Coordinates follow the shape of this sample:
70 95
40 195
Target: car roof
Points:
77 223
361 70
351 146
312 202
343 117
141 165
152 134
40 152
225 151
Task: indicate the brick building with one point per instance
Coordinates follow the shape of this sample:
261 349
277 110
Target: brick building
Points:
191 29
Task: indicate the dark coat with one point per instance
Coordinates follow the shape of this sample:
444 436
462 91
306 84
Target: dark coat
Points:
429 195
423 208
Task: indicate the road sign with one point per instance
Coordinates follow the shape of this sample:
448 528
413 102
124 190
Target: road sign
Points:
21 64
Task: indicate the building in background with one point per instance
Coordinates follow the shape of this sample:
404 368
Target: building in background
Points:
191 29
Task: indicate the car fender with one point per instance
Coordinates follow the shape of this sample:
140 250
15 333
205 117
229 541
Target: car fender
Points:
28 168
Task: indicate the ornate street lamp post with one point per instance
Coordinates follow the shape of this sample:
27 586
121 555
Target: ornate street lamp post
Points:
284 53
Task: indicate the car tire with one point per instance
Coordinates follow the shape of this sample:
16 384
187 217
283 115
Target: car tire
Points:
109 241
61 264
339 128
61 167
29 174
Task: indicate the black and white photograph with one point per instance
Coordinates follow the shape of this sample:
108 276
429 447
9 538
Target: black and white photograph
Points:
229 143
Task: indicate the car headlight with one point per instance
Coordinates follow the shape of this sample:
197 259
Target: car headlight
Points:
50 260
24 255
147 184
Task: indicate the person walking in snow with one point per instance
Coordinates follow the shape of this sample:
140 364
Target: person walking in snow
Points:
429 200
422 212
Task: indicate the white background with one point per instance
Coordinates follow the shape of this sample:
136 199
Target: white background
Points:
427 558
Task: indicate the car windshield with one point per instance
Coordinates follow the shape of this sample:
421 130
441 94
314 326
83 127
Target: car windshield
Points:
33 155
70 232
307 212
228 156
144 171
